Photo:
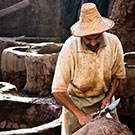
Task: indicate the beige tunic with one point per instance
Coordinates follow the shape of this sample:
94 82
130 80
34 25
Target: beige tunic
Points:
84 73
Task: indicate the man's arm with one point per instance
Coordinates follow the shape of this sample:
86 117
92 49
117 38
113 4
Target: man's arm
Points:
66 101
107 100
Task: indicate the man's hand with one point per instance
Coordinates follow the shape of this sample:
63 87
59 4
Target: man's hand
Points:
66 101
105 102
86 118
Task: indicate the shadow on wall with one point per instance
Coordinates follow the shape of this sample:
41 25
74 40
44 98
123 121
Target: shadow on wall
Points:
31 18
70 10
42 18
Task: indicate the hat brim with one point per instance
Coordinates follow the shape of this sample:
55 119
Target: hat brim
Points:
81 29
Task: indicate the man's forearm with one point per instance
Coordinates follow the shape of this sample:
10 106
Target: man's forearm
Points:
114 87
107 100
64 99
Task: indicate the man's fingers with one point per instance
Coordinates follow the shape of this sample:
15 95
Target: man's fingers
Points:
103 106
95 113
107 104
91 120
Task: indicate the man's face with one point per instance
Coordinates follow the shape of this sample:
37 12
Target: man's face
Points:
92 39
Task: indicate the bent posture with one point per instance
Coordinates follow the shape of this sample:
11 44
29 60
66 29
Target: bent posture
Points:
88 69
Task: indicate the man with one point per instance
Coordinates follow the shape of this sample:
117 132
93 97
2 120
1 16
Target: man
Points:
89 68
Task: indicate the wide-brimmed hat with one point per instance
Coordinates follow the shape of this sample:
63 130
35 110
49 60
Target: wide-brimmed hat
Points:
90 22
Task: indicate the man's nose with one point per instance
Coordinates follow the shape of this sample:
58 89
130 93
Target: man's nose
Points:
93 42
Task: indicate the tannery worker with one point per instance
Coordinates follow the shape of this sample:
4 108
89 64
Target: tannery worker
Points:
89 68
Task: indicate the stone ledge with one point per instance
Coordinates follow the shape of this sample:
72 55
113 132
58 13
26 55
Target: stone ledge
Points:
46 129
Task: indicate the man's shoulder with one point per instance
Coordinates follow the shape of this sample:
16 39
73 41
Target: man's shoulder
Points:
110 36
112 40
70 46
71 42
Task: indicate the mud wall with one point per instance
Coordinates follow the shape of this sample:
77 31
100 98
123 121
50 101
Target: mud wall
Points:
123 14
39 18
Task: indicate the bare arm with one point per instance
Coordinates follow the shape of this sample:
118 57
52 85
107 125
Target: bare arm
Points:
66 101
107 100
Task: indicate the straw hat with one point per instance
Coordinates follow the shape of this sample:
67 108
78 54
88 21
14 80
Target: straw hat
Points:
90 22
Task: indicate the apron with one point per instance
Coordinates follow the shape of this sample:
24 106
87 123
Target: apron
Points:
87 105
